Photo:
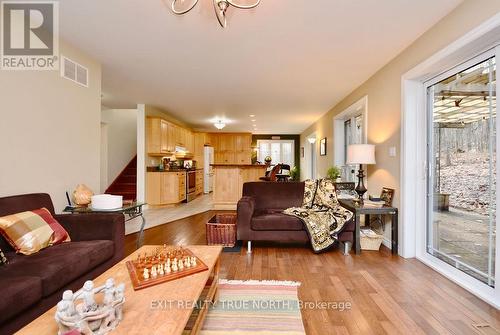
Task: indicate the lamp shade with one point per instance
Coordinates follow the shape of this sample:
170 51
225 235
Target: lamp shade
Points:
361 154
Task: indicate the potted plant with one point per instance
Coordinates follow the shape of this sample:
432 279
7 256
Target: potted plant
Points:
333 173
295 174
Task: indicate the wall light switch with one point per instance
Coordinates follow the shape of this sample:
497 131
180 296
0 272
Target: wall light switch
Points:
392 151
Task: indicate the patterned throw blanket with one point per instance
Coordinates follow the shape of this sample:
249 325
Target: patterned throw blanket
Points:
321 214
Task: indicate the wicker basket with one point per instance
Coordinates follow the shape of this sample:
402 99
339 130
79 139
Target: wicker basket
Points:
221 230
370 240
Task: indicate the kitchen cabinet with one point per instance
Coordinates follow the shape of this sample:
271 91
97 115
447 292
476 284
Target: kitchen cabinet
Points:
199 142
162 137
243 142
157 136
164 188
228 183
243 157
232 148
171 137
227 142
189 141
199 182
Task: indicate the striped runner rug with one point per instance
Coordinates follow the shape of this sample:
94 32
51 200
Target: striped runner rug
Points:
255 307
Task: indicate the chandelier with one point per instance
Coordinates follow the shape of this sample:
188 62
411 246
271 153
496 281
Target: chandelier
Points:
219 124
220 7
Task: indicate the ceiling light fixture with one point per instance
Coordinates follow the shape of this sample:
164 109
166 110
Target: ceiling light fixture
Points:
312 140
251 115
220 7
219 124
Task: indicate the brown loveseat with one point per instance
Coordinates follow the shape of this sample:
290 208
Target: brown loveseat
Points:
32 284
260 216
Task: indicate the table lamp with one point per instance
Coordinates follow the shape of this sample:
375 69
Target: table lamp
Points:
360 154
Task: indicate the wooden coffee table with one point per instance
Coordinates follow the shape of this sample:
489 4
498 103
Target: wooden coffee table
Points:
166 308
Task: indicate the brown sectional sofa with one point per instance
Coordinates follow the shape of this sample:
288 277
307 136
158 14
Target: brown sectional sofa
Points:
33 284
260 216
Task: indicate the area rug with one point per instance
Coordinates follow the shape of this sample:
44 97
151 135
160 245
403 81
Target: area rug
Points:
255 307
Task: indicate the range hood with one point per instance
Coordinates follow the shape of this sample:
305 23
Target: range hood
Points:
181 152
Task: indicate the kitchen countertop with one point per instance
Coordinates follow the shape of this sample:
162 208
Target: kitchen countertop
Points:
239 165
155 169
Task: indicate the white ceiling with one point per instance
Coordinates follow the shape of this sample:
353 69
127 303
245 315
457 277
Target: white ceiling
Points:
286 61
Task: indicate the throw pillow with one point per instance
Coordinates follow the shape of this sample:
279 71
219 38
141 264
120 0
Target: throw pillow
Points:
3 259
309 192
326 196
31 231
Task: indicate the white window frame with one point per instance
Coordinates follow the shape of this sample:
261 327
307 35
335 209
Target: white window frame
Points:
414 153
360 107
292 142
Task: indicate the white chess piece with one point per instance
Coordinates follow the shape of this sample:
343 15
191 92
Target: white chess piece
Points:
193 261
160 270
145 273
153 271
167 269
174 266
187 262
181 265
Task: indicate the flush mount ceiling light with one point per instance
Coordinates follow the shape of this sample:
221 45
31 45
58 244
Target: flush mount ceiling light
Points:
220 7
219 124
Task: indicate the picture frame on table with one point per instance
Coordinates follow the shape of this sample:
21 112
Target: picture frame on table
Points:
322 147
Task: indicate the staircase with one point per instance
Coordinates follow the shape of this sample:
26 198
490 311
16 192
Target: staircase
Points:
126 182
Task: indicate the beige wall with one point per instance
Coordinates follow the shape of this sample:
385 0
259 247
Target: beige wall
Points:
155 111
121 141
384 95
49 130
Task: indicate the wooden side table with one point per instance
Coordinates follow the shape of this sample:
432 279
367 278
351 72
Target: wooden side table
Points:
359 210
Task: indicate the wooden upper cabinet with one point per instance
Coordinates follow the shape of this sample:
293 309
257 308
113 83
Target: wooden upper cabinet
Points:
227 142
171 137
190 141
243 142
214 141
164 136
243 157
157 136
153 136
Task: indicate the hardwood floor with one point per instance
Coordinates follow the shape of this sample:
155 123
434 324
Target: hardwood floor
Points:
388 294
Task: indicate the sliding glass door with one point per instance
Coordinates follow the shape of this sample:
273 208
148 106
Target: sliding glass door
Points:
461 174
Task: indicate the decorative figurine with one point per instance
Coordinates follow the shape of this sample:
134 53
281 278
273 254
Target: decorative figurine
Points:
90 318
87 293
82 195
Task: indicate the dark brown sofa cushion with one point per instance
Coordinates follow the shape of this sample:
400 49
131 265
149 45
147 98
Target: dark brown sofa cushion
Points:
18 294
276 221
60 264
275 195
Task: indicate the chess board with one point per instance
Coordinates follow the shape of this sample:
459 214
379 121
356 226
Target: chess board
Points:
160 257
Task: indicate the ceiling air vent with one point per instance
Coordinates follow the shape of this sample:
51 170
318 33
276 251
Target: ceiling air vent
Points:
75 72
